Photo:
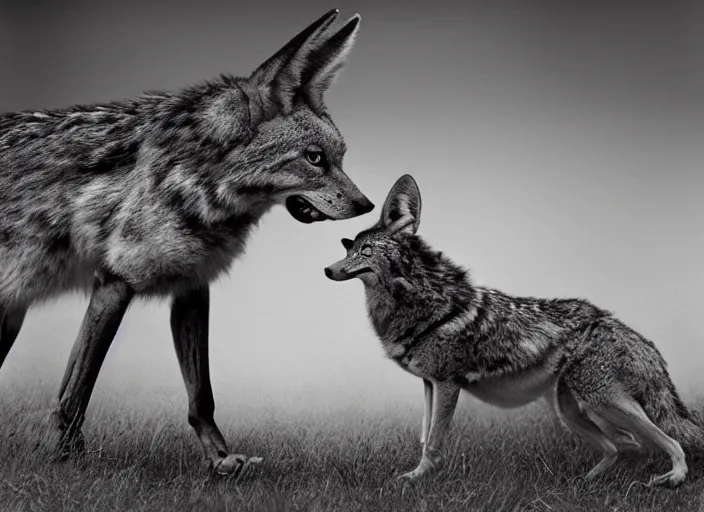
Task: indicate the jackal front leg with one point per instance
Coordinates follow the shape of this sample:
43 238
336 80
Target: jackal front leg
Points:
427 411
189 326
108 303
444 401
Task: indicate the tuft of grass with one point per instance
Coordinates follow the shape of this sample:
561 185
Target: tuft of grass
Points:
323 461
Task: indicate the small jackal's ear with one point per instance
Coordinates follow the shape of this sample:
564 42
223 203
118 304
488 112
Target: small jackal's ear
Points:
401 212
307 65
347 243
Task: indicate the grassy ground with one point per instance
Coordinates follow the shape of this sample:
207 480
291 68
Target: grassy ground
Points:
150 460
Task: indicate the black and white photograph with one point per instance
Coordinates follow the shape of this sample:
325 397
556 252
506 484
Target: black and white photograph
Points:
352 256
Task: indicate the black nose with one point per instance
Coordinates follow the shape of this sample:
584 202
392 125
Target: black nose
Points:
363 206
328 273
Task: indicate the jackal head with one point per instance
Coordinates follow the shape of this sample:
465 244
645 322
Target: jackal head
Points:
293 152
380 253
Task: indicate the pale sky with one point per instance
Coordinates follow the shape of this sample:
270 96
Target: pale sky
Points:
557 146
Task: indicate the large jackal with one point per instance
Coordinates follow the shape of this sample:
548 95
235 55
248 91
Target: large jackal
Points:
156 196
606 381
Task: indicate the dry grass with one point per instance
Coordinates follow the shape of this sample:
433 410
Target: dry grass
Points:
150 460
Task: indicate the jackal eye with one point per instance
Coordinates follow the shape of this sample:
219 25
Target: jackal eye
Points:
316 158
366 250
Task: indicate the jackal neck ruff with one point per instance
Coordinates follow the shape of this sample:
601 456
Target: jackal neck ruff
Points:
429 303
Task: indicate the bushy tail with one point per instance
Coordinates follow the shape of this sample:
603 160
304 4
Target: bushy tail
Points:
684 426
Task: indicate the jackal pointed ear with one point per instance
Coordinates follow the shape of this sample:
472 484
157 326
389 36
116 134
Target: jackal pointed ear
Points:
327 61
347 243
266 73
307 65
401 212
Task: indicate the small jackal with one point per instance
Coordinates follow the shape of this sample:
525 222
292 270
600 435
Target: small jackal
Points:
607 382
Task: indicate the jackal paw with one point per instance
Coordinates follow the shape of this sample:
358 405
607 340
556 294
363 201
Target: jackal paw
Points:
410 477
593 474
234 464
407 482
673 478
605 463
70 446
56 439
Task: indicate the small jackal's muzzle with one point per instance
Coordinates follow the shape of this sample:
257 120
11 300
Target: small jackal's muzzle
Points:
330 274
337 273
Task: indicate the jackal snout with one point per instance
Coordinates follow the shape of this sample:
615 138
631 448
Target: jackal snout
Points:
330 197
363 206
338 272
359 204
355 264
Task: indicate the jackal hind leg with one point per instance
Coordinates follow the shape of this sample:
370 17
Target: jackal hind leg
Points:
10 324
625 413
578 422
189 326
109 300
623 439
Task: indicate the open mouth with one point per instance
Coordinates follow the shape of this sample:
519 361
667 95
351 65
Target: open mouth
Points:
301 210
